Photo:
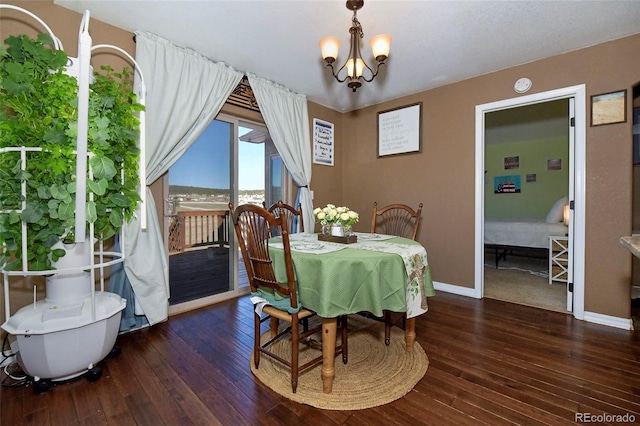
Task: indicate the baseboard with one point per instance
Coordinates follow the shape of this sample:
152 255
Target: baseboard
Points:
617 322
455 289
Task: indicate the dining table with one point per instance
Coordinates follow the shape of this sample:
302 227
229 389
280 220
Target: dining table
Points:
376 273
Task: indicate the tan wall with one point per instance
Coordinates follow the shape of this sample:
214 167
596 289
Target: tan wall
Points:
442 175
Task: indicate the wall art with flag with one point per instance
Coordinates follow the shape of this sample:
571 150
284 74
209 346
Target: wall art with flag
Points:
509 184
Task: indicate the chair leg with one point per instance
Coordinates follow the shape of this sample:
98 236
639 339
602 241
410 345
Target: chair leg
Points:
256 339
273 326
294 354
345 342
387 327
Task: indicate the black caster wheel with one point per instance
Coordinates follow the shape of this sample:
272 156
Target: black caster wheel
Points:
93 374
115 352
41 386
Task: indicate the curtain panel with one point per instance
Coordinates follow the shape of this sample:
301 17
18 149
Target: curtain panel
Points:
287 117
185 91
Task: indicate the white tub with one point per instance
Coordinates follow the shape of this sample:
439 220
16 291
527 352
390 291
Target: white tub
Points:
62 340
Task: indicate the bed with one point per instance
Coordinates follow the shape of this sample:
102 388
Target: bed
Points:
505 234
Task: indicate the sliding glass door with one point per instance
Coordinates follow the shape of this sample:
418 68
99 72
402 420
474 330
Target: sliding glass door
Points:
230 162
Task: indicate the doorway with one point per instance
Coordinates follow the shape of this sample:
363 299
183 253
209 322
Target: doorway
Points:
528 145
576 96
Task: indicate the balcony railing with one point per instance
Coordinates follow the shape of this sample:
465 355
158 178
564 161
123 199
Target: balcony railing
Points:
200 228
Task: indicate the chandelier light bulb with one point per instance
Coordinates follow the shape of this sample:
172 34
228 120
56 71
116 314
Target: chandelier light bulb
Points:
329 47
380 45
359 67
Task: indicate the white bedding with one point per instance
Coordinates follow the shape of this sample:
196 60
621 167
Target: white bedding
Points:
521 232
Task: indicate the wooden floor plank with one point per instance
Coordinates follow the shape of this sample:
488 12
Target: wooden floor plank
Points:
491 363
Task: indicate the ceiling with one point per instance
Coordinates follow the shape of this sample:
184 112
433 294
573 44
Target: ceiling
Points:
434 42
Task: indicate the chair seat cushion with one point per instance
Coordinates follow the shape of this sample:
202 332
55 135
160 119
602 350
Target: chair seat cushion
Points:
277 300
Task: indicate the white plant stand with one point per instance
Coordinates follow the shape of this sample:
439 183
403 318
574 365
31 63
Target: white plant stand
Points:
66 334
75 327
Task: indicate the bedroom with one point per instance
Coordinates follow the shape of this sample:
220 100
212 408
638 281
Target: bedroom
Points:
526 185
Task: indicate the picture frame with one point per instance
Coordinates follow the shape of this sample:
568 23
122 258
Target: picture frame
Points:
323 142
512 162
609 108
508 184
554 164
400 130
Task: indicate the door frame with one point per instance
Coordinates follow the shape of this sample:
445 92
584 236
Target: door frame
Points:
579 179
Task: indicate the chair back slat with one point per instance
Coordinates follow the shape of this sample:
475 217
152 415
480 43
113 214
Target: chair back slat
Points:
396 219
293 217
254 226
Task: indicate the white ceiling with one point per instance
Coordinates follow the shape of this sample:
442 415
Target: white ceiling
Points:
434 42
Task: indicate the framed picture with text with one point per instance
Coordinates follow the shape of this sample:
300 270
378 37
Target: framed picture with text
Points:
400 130
323 143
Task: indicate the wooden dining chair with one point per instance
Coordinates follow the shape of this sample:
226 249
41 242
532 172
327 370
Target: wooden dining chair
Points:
295 223
399 220
253 225
396 219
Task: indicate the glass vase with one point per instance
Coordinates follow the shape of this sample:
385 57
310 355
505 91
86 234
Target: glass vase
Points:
337 230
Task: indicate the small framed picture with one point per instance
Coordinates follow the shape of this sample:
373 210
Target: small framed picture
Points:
506 184
511 163
323 149
554 164
609 108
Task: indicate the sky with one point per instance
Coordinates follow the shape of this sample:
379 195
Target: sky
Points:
206 162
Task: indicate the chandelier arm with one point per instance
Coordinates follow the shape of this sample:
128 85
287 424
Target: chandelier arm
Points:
373 73
336 74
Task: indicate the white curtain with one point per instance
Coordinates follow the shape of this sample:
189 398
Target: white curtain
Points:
286 115
185 91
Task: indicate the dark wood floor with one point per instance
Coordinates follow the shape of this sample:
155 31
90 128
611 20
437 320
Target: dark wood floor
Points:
491 363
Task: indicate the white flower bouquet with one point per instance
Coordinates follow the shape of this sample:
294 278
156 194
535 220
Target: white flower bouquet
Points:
331 214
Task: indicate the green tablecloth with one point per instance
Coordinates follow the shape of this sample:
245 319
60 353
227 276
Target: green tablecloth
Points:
350 280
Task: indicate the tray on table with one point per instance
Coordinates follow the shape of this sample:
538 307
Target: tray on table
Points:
335 239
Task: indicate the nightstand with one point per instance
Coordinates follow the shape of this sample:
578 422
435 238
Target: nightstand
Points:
558 258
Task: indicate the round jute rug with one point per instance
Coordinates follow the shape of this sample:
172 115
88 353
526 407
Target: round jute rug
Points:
376 374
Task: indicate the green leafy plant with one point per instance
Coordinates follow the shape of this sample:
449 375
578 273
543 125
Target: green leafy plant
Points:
39 109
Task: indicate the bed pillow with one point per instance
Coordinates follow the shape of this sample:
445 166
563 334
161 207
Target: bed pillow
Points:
556 213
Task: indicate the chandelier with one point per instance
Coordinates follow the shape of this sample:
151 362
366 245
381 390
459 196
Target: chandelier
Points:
355 66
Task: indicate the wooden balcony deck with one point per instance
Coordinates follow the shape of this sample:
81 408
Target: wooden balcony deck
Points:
198 254
198 273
